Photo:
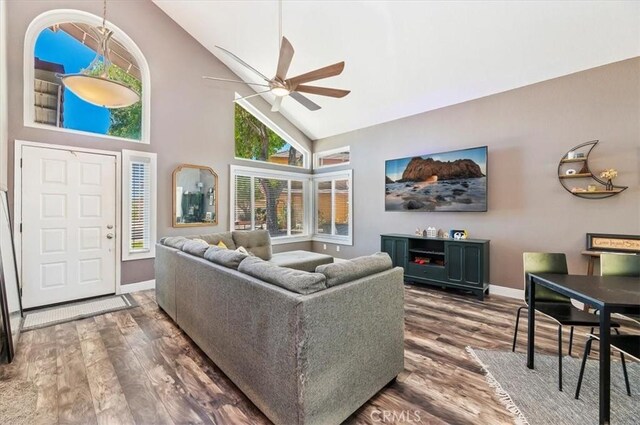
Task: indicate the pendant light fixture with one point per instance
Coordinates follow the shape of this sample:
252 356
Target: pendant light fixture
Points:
93 84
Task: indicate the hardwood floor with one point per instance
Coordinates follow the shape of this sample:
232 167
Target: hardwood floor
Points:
137 367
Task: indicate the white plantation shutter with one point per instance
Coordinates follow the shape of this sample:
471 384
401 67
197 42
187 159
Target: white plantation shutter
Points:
140 207
271 200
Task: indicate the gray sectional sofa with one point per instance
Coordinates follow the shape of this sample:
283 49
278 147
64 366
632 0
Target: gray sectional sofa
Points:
307 347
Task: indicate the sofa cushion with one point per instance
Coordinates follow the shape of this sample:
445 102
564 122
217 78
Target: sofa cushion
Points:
258 242
224 257
346 271
293 280
216 238
176 242
195 247
300 260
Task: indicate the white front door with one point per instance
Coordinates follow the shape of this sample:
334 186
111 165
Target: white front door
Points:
68 225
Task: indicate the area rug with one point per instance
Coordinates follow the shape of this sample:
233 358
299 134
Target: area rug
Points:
17 402
65 313
533 397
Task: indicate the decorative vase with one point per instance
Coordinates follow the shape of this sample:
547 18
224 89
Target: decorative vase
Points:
609 185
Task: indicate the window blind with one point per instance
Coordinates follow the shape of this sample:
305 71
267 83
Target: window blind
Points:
140 207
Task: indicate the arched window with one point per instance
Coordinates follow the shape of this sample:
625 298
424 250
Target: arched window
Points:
64 42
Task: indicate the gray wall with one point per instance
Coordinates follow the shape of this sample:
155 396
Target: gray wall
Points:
191 120
527 131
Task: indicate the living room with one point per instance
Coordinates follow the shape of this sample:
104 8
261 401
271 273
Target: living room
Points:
541 101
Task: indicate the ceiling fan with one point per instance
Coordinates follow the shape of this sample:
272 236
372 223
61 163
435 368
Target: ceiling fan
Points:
281 86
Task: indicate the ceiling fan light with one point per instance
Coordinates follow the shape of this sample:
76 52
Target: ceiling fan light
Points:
280 91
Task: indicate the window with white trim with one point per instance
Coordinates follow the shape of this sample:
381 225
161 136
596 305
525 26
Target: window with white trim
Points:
332 157
63 41
273 200
138 205
333 217
257 138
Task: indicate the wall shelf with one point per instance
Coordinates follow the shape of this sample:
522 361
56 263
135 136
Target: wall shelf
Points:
585 173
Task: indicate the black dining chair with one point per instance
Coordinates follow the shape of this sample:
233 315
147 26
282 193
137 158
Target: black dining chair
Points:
628 265
552 304
628 345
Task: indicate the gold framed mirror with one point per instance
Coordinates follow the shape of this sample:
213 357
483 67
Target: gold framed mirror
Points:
195 196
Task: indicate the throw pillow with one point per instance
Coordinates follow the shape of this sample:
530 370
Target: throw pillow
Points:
293 280
200 240
244 251
224 257
195 247
222 245
257 242
347 271
176 242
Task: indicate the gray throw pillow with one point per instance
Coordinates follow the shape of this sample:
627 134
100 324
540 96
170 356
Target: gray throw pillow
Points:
176 242
347 271
216 238
224 257
293 280
196 248
258 242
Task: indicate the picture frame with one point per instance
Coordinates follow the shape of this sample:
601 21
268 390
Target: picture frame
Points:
613 243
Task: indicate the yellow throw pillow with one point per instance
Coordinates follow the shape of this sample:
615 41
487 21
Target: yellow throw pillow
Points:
221 245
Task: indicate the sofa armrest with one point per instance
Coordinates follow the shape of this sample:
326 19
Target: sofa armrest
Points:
165 275
351 345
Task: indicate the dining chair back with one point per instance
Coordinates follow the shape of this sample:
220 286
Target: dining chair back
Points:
544 262
619 265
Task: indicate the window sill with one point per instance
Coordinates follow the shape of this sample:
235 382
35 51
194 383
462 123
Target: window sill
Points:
143 141
336 240
282 240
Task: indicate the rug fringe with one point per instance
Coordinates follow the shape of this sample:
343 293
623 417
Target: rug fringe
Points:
503 396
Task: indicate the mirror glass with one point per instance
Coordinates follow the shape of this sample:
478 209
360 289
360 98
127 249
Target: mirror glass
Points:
195 196
9 286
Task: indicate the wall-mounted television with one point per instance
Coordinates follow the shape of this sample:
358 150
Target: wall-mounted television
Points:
446 181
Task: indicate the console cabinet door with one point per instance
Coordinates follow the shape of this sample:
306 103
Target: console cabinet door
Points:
397 250
464 263
473 264
454 265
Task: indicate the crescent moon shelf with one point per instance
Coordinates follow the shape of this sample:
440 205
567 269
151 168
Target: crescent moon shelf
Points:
578 156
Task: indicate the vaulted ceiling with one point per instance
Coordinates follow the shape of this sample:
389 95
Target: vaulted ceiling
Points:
407 57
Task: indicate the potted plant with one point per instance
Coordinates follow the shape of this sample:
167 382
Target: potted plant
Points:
609 175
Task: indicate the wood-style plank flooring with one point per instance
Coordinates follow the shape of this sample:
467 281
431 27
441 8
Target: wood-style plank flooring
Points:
137 367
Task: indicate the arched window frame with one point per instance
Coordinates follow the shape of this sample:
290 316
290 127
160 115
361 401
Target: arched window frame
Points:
53 17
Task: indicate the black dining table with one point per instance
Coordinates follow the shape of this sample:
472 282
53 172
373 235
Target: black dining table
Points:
608 294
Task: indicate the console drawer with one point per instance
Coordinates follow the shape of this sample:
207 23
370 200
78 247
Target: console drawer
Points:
423 271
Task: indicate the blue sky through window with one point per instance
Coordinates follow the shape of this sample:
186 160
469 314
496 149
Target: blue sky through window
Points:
59 47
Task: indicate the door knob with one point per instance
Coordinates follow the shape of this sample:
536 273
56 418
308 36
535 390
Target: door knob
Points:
109 226
109 235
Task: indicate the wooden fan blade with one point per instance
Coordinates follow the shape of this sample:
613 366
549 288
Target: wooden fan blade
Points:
318 74
284 61
276 104
304 101
233 81
243 63
323 91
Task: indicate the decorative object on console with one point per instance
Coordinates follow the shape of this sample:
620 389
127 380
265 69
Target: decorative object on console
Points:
195 192
432 232
446 181
458 234
580 154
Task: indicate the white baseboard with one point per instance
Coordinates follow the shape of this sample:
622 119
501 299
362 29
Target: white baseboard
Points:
138 286
506 292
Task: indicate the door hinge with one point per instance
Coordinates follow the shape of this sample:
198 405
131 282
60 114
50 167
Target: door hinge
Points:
20 162
20 227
